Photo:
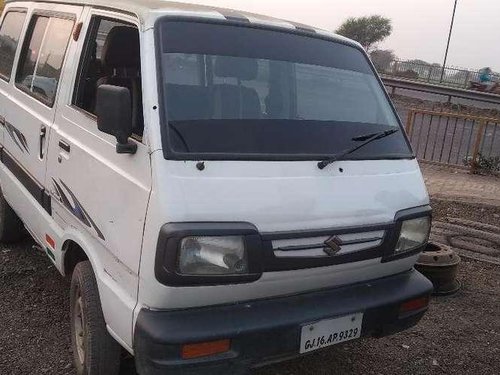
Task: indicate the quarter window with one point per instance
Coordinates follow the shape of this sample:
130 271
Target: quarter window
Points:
9 39
43 55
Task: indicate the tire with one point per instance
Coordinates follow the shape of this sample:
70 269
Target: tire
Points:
95 352
11 227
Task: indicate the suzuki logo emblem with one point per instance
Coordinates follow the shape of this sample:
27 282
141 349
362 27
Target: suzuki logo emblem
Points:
333 246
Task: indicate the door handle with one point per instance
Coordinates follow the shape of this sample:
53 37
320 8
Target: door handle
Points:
64 146
43 133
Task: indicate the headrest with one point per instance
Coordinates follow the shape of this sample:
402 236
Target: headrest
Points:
121 48
242 68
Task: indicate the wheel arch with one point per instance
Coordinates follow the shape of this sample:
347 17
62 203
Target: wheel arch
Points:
73 254
76 249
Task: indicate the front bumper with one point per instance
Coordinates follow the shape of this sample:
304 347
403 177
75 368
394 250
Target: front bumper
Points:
269 330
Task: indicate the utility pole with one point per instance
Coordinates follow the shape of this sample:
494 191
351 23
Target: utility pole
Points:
449 40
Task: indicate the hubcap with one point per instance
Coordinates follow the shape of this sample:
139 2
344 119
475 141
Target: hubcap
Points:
79 326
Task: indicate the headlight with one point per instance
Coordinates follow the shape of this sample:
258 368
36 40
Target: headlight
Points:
217 253
213 256
414 233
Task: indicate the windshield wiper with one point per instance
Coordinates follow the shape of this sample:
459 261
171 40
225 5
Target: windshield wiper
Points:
368 138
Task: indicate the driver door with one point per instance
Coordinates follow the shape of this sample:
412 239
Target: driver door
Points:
97 193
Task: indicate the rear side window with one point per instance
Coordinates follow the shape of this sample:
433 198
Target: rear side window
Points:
10 32
42 57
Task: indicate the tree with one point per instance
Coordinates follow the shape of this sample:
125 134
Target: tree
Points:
366 30
382 59
419 62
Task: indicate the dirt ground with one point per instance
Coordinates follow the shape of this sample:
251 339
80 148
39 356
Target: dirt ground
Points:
459 335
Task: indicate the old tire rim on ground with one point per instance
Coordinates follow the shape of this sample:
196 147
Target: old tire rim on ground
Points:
439 263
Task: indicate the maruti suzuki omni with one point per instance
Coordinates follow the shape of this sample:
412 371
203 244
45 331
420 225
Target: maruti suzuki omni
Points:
224 189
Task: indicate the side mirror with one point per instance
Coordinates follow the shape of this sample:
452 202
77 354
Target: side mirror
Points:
114 116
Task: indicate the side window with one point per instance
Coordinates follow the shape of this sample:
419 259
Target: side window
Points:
10 31
111 56
43 56
105 27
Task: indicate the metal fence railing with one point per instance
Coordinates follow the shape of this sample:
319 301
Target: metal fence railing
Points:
456 139
455 77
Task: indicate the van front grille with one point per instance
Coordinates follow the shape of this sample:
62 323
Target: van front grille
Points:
286 251
318 246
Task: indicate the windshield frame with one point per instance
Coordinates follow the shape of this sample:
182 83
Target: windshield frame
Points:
170 153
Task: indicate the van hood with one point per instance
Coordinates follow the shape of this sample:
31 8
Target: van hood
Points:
286 196
278 197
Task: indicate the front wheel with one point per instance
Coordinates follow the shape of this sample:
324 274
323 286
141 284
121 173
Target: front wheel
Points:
95 352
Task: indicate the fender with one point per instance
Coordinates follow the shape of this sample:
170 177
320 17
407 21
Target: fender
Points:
117 304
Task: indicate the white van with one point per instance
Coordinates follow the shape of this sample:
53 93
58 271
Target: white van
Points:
225 189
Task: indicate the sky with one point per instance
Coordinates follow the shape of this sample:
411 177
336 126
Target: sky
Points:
420 26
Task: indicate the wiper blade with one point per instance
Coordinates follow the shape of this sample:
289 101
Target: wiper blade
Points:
366 139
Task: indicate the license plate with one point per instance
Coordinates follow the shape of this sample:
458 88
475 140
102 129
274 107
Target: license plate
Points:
330 332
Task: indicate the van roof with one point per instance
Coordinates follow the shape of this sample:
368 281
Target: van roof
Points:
148 9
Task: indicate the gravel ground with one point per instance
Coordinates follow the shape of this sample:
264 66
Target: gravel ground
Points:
459 335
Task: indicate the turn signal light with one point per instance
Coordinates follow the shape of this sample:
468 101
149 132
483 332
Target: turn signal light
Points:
414 305
205 349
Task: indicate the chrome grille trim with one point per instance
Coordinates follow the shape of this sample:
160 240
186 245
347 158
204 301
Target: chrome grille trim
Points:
321 245
314 246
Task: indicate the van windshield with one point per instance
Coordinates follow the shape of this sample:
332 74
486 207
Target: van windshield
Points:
242 92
